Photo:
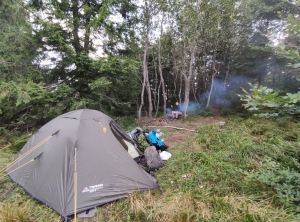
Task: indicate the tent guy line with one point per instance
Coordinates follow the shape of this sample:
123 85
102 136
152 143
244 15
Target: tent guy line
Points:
26 153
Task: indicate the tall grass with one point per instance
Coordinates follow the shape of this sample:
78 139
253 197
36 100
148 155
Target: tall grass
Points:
221 173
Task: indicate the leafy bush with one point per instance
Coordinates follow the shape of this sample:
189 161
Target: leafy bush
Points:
128 123
265 99
27 105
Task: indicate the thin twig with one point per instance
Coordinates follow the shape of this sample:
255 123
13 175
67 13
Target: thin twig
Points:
173 128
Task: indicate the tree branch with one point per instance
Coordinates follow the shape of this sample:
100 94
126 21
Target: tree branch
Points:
174 128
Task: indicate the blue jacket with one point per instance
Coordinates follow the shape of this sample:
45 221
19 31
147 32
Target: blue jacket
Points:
153 139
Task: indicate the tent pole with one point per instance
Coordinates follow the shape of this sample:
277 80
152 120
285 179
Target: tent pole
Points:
75 186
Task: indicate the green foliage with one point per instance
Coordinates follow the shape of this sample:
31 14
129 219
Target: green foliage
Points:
17 94
99 85
18 49
118 88
69 29
263 98
99 88
127 123
284 181
56 102
206 112
27 104
290 47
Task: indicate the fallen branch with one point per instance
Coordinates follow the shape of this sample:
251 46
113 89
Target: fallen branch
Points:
173 128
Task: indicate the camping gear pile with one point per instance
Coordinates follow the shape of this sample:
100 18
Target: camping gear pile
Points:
80 160
154 153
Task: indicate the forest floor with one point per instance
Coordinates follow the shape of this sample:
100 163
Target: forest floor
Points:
183 129
245 170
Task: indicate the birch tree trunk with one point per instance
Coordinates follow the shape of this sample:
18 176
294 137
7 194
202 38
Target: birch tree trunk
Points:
155 88
160 68
146 84
183 68
187 79
145 62
139 114
215 71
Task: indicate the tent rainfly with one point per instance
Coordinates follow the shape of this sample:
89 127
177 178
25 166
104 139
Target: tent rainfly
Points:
77 161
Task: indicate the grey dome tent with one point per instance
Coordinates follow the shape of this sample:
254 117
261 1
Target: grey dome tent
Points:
77 161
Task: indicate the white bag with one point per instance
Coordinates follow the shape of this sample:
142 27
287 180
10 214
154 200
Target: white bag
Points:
164 155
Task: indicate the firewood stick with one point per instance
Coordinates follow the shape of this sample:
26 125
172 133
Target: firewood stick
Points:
173 128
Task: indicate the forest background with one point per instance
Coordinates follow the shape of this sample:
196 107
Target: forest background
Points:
128 58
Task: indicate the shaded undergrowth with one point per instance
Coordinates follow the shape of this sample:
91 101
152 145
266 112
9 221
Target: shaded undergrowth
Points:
246 170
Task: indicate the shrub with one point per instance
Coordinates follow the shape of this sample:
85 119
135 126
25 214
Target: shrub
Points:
270 103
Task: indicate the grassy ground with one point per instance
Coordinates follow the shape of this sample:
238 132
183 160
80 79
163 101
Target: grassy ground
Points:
246 170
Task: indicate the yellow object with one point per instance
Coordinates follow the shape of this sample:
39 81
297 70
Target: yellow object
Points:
104 129
75 186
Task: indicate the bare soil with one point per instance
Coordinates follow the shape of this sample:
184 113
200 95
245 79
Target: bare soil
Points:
173 136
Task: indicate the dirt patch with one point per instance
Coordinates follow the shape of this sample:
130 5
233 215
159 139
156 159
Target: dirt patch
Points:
174 138
190 123
195 123
183 129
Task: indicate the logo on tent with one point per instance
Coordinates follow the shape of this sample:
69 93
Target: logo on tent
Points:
93 188
86 190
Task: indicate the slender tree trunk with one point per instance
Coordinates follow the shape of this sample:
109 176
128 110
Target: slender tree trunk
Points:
211 89
155 87
177 75
158 98
195 97
146 83
204 77
180 89
148 88
188 79
160 68
87 34
225 79
75 32
183 68
139 114
186 96
215 71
